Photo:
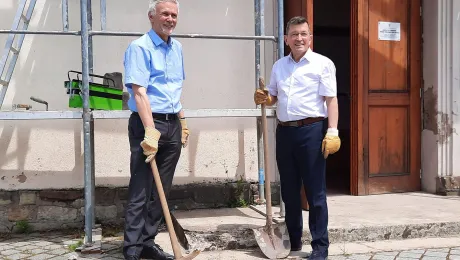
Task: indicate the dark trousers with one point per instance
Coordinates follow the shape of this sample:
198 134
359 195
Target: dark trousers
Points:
299 159
143 211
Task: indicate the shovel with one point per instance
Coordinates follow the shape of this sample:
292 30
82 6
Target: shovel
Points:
172 234
273 240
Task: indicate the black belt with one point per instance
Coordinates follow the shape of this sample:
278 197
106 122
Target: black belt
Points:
159 116
302 122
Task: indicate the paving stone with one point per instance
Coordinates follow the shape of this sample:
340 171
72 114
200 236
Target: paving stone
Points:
359 257
405 258
52 247
41 257
436 254
17 256
37 251
28 247
445 250
10 252
388 253
44 243
410 255
19 244
454 257
383 257
4 248
59 251
433 258
415 251
455 252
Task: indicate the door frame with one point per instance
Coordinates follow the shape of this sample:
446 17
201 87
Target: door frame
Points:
359 61
359 172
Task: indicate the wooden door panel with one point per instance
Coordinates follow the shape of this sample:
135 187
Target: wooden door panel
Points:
388 146
388 59
386 109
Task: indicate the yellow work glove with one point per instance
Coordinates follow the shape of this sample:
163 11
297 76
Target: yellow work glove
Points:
261 96
185 132
331 142
150 143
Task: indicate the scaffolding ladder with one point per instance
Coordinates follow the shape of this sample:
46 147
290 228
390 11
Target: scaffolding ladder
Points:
88 116
14 50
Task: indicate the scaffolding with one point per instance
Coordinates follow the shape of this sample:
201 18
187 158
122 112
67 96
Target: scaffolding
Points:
88 116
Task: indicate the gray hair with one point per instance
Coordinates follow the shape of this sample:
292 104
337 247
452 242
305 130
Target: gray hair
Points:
153 5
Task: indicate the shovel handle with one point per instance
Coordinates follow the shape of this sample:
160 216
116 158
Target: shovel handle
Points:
166 213
268 193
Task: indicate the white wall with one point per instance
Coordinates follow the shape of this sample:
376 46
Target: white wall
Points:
220 74
441 72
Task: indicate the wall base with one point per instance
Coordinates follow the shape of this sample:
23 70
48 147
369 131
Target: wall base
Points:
62 209
448 186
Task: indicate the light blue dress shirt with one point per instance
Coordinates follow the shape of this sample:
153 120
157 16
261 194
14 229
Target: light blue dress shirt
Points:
158 66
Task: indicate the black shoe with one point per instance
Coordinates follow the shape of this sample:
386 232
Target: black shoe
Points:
318 255
155 252
131 257
296 248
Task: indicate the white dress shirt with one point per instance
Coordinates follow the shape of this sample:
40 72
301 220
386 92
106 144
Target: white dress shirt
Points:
301 86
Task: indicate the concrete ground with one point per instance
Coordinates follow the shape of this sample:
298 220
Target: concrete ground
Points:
59 246
396 226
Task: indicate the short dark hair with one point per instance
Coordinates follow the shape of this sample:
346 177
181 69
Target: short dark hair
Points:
295 21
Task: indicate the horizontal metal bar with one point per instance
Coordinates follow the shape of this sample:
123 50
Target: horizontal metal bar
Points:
108 33
202 36
76 33
35 115
124 114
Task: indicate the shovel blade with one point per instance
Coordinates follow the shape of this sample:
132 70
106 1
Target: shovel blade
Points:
273 241
190 256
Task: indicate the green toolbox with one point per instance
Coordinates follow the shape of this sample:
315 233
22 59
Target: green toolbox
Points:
101 96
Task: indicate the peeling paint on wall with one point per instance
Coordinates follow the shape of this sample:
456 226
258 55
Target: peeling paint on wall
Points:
430 98
444 129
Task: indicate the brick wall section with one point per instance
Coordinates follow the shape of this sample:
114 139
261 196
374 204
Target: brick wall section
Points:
61 209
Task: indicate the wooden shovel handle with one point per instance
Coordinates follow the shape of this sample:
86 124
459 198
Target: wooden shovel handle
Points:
166 213
268 193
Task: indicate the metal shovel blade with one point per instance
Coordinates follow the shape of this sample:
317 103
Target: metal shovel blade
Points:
190 256
273 240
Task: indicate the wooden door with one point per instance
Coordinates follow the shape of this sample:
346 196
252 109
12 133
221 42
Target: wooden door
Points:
386 84
299 8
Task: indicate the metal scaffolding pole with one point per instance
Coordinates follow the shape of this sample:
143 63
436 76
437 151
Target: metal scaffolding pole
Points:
87 117
260 151
281 55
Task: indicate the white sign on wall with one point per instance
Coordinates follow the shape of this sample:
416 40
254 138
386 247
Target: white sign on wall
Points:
389 31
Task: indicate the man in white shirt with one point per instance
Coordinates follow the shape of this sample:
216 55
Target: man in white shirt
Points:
303 85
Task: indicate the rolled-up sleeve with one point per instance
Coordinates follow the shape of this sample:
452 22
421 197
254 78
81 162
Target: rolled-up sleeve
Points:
328 81
137 66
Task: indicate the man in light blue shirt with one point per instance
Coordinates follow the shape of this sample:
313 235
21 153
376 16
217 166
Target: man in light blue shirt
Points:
154 73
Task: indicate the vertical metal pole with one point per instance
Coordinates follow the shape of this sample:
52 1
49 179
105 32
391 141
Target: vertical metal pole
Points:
90 38
103 15
87 117
91 123
65 15
280 55
260 151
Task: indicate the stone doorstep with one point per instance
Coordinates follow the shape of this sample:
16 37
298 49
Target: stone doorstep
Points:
228 229
243 238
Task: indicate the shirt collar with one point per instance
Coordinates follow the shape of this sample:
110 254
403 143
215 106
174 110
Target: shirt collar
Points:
157 40
306 56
